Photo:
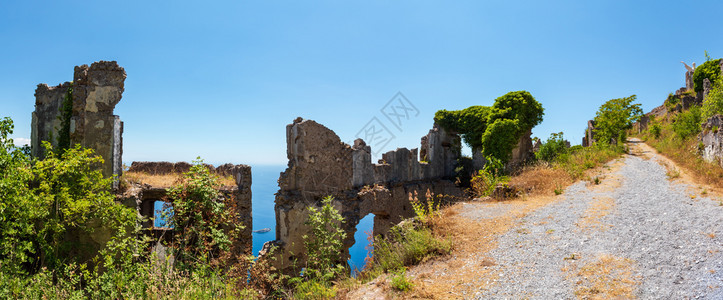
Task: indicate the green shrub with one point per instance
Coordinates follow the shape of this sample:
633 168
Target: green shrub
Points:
407 244
43 204
554 146
400 280
655 129
687 123
313 289
484 183
709 69
671 101
204 221
324 243
713 102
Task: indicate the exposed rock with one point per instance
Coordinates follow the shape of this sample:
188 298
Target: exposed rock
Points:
642 124
478 159
521 153
712 139
706 87
689 80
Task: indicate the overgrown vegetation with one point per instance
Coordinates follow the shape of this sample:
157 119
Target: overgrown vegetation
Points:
709 69
552 148
324 245
686 124
204 221
494 130
713 102
615 117
675 136
66 113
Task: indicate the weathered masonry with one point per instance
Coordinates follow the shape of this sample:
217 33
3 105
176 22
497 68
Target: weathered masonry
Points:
144 197
81 112
321 165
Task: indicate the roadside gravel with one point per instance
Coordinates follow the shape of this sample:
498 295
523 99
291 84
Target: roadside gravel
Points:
668 234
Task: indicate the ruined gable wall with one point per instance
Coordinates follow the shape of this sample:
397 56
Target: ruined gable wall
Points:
321 165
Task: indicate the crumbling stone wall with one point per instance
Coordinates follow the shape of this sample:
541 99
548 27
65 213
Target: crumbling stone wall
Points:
522 152
95 92
589 138
320 165
142 196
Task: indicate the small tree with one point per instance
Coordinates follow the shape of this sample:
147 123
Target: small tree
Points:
554 146
324 242
615 117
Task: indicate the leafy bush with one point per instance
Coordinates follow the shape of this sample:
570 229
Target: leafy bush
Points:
615 117
400 280
655 129
324 243
407 244
487 179
671 101
687 123
713 102
709 69
554 146
205 222
46 203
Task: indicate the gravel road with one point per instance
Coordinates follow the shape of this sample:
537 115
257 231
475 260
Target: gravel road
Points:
636 230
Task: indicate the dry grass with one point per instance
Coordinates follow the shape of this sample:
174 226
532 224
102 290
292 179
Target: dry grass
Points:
607 277
541 179
165 180
685 154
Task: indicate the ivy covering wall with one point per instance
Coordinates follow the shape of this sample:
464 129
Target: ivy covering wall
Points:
494 130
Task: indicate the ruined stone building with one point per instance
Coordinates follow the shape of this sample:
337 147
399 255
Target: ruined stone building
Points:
143 197
81 112
320 165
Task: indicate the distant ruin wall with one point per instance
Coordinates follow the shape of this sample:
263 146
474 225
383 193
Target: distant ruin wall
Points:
320 165
95 92
589 138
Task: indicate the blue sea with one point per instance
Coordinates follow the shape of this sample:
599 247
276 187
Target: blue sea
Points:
263 187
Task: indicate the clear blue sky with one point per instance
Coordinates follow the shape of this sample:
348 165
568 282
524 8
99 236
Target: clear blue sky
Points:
222 79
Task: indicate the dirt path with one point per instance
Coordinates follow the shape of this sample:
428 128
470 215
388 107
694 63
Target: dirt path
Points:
636 234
